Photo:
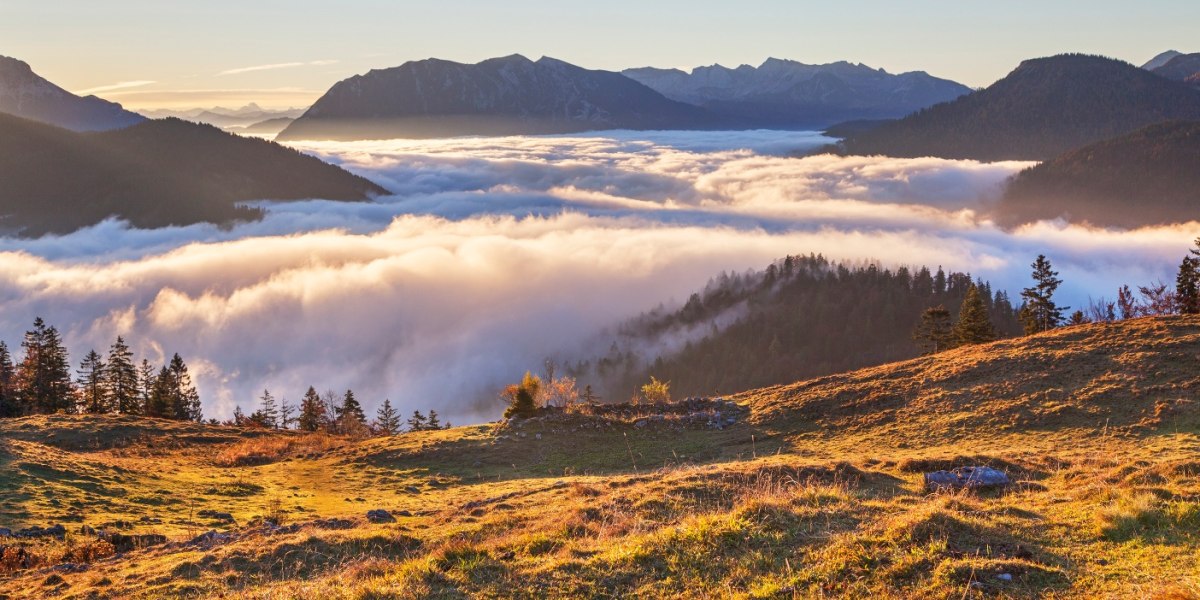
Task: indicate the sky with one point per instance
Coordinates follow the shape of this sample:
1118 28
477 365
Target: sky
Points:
150 53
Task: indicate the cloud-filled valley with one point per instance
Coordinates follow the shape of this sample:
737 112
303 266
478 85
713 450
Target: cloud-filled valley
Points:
493 253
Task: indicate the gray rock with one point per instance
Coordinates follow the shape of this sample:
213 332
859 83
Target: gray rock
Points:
1005 577
973 478
380 516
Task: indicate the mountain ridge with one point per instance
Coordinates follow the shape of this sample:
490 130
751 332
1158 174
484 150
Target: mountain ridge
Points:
508 95
26 94
1148 177
1044 107
152 174
789 94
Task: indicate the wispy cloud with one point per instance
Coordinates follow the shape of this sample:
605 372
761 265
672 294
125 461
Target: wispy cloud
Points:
120 85
274 66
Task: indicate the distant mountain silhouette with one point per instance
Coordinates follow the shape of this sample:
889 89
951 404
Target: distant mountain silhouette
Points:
1043 108
1161 60
790 94
267 127
25 94
501 96
1148 177
1182 67
153 174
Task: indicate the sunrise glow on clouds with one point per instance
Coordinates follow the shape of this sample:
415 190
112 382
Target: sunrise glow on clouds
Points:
495 253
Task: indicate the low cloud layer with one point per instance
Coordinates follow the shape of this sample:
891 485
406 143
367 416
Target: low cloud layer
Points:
494 253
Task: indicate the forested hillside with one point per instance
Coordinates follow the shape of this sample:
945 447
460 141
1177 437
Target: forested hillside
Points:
802 316
1149 177
1046 106
153 174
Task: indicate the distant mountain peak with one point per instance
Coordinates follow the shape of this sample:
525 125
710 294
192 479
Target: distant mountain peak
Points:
1161 60
25 94
1042 108
789 94
508 95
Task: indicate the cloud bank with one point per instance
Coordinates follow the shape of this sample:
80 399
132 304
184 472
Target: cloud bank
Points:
495 253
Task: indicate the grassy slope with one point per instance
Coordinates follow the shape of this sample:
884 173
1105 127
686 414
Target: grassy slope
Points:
817 494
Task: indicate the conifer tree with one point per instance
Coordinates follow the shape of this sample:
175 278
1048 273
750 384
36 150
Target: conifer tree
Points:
974 326
9 403
44 376
160 402
122 379
1040 313
312 411
434 422
417 421
350 411
93 392
268 410
1187 286
287 414
387 419
146 383
185 401
936 331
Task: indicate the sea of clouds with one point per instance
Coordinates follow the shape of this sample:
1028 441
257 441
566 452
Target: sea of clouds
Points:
494 253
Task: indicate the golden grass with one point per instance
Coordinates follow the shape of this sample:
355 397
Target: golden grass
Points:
818 495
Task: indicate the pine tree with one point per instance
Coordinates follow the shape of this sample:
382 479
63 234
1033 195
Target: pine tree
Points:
239 417
146 384
974 326
268 410
417 421
387 419
1187 286
160 402
185 401
44 376
9 403
93 389
312 411
287 414
936 332
434 422
1040 313
350 410
123 385
1078 318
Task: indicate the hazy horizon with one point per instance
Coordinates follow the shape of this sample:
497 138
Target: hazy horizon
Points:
287 54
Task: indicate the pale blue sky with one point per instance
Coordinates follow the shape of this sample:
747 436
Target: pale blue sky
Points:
184 47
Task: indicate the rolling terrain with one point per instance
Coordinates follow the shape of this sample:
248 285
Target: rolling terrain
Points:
153 174
811 489
1148 177
1045 107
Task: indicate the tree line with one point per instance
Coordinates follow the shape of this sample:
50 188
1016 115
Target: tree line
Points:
333 413
41 382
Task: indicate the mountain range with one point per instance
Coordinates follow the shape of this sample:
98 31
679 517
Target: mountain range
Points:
26 94
1045 107
787 94
153 174
501 96
228 118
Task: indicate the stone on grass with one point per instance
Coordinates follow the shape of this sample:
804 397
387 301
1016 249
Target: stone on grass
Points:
971 478
380 516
